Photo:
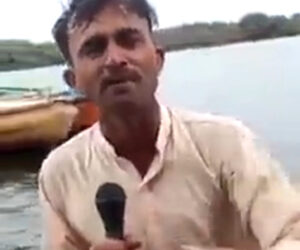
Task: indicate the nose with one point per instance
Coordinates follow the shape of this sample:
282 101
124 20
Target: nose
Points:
115 56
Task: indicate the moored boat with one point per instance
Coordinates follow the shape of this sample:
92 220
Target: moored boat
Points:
38 120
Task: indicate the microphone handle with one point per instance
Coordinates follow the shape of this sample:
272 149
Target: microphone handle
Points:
115 235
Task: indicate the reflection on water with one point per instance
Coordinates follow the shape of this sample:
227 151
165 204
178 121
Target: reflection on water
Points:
19 211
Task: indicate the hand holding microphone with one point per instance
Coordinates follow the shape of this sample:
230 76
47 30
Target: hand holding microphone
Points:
110 202
125 244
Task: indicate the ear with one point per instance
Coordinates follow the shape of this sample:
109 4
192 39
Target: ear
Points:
69 77
160 55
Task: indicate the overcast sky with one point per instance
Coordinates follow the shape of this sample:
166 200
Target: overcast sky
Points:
33 19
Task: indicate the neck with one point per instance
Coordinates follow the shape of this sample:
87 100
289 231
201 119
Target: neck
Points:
132 131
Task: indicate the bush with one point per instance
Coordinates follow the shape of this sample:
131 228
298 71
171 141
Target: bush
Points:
254 22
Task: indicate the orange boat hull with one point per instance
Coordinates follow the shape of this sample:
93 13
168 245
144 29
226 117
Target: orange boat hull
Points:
88 114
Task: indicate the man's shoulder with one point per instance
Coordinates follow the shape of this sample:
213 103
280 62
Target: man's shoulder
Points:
209 122
65 156
218 138
74 145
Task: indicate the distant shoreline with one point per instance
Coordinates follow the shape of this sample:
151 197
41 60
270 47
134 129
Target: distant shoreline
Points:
20 54
174 48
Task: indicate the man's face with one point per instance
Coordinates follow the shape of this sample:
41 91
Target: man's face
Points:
115 61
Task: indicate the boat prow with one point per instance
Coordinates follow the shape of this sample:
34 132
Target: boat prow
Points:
39 121
39 126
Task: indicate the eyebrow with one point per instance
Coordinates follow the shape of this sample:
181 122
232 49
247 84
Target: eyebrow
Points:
128 30
90 40
100 36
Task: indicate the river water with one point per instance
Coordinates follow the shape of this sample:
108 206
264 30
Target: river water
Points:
255 82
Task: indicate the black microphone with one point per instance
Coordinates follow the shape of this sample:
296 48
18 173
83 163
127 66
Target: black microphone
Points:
110 202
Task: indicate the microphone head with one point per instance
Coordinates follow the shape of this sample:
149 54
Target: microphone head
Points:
110 202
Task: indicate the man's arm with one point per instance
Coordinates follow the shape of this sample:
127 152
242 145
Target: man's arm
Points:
56 232
267 203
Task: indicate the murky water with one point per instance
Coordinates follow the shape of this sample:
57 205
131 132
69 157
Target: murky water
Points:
20 222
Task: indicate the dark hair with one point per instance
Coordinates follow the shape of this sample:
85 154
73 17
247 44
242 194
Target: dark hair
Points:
83 11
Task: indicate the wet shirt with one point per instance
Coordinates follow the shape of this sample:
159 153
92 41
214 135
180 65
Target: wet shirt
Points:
209 185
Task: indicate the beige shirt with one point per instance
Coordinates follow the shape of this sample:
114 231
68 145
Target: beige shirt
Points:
208 186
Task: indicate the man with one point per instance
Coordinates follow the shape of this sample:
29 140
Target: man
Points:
192 182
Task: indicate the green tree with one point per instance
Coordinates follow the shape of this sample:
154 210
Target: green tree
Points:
296 17
254 22
278 25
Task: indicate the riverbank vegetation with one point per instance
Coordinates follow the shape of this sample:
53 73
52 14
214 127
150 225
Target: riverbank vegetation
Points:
18 54
252 27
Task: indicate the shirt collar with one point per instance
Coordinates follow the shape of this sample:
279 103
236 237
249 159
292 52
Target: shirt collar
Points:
164 130
161 144
162 138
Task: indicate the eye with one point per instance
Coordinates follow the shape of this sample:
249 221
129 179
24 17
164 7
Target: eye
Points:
129 38
94 47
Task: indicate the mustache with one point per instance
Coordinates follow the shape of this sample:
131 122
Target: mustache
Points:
119 76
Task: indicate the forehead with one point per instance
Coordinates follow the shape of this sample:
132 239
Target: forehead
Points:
112 18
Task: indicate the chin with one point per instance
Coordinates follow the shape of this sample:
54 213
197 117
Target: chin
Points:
124 103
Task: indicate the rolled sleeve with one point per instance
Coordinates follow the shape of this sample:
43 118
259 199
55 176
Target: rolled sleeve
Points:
268 205
57 233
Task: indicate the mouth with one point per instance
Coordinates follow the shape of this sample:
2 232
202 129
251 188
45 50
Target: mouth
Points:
124 80
116 82
117 86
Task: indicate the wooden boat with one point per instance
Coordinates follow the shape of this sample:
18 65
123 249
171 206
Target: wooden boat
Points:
37 120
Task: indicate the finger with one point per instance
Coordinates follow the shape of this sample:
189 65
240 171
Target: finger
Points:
131 245
110 245
128 237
